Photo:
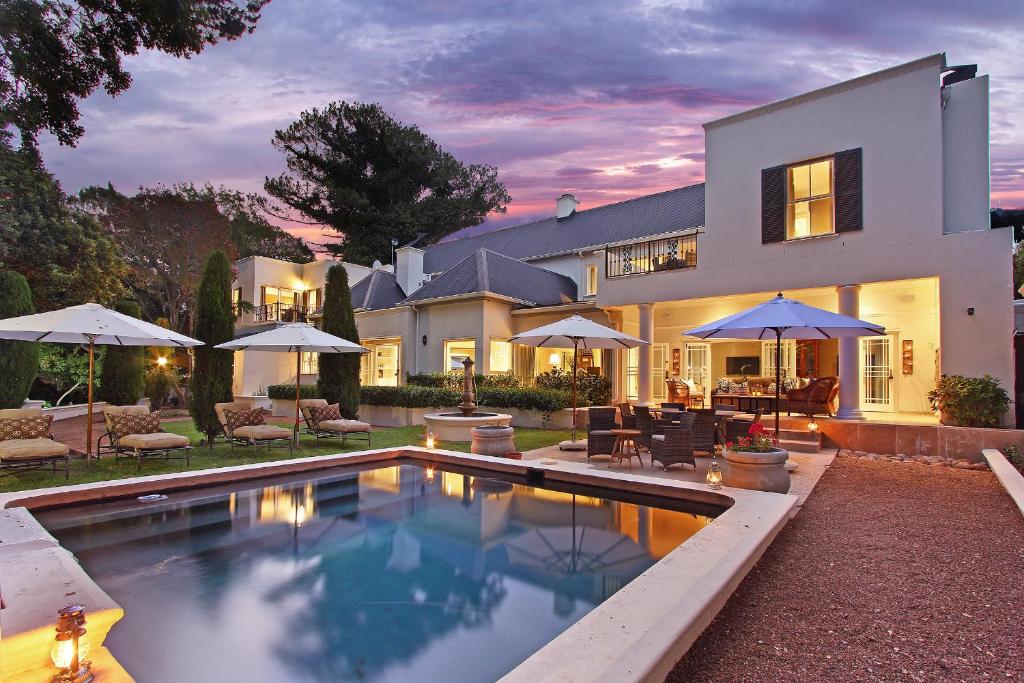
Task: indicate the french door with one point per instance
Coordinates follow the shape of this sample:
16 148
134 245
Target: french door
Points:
698 363
876 383
659 361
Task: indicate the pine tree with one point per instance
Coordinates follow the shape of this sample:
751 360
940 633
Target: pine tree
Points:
124 367
19 360
339 372
213 368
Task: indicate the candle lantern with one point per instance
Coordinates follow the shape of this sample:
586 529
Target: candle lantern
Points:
714 478
812 426
431 441
70 647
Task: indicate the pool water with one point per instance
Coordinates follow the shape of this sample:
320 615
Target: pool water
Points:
396 573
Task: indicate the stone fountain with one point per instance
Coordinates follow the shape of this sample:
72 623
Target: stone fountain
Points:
459 426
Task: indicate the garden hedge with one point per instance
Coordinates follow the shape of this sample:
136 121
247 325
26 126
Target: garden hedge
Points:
412 396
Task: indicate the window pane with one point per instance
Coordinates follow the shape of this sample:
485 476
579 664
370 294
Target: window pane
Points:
798 220
821 216
799 182
821 178
457 350
501 356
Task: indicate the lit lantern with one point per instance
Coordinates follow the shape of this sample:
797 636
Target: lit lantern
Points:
431 441
161 361
812 426
430 474
714 478
71 646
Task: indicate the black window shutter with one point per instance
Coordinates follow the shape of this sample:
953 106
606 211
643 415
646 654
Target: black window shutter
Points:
773 204
849 191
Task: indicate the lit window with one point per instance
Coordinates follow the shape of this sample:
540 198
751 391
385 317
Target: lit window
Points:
456 350
809 200
310 363
591 288
501 356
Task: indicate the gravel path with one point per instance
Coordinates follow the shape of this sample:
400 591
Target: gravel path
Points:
890 572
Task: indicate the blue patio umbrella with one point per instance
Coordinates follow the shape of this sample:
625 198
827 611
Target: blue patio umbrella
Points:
782 318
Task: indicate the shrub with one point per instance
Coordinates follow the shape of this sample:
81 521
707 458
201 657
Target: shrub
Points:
123 378
546 400
453 380
215 324
410 397
19 360
286 392
338 381
592 390
160 381
970 401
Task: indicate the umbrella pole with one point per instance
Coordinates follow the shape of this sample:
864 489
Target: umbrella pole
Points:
575 348
778 377
88 423
298 377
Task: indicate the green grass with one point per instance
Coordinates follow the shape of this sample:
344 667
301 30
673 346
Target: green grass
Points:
222 455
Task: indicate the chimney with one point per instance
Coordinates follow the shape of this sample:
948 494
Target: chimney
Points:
565 206
409 269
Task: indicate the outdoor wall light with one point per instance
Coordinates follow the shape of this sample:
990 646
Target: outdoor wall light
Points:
430 444
71 646
161 360
714 478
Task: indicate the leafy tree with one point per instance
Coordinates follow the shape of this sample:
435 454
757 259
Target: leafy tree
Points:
165 236
64 372
215 324
338 381
64 254
56 52
19 361
370 178
124 367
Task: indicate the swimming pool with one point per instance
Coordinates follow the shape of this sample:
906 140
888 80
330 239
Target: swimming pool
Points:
382 573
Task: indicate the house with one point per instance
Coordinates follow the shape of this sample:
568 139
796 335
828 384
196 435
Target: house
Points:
868 197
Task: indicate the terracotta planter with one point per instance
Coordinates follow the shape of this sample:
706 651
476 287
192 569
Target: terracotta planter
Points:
493 440
756 471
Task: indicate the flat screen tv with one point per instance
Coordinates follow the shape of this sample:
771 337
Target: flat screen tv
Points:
743 365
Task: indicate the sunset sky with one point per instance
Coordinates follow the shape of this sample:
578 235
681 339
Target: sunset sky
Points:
602 99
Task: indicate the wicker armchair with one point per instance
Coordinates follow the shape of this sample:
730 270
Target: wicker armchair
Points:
817 397
600 422
703 432
627 416
673 447
645 423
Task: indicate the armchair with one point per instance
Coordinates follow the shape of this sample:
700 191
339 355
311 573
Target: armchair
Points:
817 397
600 422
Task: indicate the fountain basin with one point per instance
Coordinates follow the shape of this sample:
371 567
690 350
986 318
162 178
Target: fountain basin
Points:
458 427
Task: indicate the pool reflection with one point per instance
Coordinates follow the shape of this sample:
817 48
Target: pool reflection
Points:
395 573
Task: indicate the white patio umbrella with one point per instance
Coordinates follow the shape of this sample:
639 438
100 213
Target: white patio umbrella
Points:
294 338
579 333
782 318
90 324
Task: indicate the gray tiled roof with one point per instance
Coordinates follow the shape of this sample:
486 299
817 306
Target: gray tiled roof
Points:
488 271
638 218
377 290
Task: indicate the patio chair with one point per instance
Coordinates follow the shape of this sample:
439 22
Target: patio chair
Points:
645 423
816 398
600 422
134 431
325 427
252 430
26 442
673 447
703 431
627 416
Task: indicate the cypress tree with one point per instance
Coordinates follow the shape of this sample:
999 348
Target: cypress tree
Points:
19 360
339 372
213 368
124 367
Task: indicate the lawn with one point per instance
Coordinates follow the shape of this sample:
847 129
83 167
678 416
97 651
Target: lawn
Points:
222 455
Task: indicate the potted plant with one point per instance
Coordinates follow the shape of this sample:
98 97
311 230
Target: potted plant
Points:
756 462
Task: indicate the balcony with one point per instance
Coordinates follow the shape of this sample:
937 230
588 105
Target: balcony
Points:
671 253
281 312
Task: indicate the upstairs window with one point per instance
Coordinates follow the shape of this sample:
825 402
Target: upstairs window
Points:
810 200
591 284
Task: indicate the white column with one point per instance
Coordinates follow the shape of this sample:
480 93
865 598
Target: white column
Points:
849 357
645 393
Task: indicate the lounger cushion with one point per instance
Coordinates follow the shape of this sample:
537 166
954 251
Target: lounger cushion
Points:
243 418
129 423
344 426
25 427
325 413
600 432
262 432
153 440
658 437
110 411
31 449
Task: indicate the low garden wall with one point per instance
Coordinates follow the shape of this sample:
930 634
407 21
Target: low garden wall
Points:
958 443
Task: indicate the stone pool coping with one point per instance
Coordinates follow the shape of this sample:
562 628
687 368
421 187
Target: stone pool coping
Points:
638 634
1007 474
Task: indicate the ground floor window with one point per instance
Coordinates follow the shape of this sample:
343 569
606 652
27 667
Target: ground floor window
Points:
457 350
380 366
310 363
501 356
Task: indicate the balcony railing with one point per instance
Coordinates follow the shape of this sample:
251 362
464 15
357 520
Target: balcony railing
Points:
283 312
670 253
